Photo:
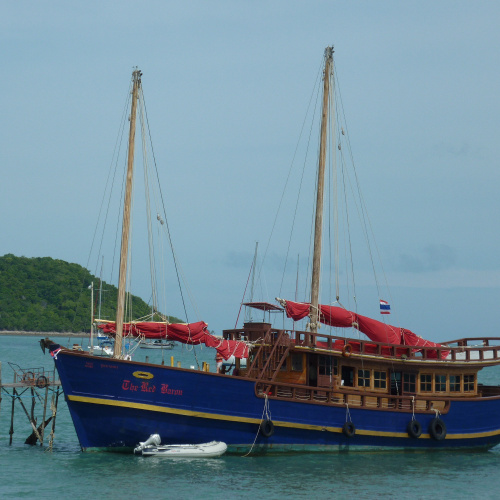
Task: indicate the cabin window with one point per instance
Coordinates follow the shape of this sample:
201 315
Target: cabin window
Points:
409 382
396 387
426 382
440 381
348 376
297 362
363 378
455 383
328 366
284 366
468 383
379 380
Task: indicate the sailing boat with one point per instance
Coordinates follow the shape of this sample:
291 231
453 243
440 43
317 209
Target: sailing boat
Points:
300 390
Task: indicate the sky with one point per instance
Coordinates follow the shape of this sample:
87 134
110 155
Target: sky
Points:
227 85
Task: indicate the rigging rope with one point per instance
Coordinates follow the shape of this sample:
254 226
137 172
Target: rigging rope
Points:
167 228
117 147
286 184
148 205
244 293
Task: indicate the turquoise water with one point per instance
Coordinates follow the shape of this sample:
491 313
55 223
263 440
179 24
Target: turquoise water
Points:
28 472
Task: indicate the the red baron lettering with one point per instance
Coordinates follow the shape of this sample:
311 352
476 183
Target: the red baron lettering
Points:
145 387
173 392
129 386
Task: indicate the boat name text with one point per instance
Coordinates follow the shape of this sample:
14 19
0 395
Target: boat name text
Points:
127 385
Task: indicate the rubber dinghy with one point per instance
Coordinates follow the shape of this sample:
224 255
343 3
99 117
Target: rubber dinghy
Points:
152 447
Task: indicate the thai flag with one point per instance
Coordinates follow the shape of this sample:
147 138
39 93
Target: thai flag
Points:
385 308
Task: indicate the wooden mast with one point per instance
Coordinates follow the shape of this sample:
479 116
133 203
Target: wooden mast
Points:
120 307
318 226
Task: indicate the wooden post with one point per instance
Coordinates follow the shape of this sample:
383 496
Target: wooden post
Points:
32 414
54 414
11 431
31 418
44 413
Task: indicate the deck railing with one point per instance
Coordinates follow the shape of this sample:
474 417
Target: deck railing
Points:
346 397
461 350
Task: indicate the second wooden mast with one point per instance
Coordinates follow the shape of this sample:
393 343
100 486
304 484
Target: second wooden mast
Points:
318 225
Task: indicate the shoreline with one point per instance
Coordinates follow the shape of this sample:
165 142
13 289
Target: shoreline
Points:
44 334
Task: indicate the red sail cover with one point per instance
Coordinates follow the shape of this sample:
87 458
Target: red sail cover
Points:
191 333
373 329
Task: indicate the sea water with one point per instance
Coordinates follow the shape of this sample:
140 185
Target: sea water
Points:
66 472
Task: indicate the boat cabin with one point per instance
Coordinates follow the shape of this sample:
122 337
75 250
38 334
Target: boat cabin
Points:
335 370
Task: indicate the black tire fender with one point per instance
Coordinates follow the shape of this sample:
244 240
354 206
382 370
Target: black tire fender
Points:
349 429
437 429
414 429
267 428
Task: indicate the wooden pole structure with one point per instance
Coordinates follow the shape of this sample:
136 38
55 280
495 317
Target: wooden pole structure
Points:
31 417
120 308
27 382
318 225
44 413
54 414
11 430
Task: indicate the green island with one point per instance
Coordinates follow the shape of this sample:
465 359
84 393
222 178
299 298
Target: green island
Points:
42 294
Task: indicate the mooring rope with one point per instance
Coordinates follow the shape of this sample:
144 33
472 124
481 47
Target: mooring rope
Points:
347 413
265 412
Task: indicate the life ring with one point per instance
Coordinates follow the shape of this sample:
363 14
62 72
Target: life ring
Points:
267 428
414 429
347 350
437 429
349 429
41 381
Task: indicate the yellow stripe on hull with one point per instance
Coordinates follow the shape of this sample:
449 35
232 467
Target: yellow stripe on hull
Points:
257 421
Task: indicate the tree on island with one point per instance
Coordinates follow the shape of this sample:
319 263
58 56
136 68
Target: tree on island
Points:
50 295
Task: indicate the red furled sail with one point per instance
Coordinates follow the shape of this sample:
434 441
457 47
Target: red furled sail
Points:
373 329
189 333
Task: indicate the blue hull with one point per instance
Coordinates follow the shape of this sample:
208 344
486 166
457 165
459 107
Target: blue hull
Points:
116 404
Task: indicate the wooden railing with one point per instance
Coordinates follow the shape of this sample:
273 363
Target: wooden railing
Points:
461 350
344 397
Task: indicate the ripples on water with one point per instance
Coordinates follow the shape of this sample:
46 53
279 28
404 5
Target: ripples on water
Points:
28 472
